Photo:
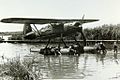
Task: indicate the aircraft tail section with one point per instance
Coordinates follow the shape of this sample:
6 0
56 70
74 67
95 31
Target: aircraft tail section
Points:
27 32
26 29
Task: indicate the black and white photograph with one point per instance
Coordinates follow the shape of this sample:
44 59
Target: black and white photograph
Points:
59 39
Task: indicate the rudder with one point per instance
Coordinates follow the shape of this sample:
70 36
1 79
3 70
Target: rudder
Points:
26 29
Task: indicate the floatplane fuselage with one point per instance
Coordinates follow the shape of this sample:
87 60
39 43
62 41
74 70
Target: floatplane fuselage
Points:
54 28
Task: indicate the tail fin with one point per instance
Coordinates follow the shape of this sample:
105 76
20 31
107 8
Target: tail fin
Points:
27 28
27 32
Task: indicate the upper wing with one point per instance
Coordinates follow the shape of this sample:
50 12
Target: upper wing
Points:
44 20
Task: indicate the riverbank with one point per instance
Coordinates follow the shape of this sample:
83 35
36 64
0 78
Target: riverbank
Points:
17 69
53 41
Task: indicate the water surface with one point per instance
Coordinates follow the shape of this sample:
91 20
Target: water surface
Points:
87 66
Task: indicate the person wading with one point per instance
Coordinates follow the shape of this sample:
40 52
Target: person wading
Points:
115 47
102 48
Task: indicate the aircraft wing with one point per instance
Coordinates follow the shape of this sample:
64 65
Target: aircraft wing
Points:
44 20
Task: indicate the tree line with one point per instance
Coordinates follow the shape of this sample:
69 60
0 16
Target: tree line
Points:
104 32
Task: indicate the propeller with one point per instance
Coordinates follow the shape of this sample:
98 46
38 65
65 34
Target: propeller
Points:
84 38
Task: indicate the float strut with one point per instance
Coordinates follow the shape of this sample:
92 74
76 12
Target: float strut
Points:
63 40
84 38
48 43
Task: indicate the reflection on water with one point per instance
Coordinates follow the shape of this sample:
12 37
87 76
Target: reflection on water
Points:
85 67
62 66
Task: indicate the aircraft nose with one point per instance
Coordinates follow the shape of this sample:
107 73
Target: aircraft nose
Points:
77 24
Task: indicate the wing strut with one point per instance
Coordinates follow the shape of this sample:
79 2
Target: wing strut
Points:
36 29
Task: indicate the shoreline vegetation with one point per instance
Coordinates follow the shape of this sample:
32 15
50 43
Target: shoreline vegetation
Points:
104 32
17 69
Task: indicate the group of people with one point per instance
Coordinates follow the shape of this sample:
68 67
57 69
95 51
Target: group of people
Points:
76 49
100 47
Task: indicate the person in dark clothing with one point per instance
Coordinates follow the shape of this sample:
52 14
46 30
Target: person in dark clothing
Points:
115 47
79 48
102 48
97 46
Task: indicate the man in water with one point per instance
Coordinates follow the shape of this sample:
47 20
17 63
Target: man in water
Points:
102 48
115 47
97 46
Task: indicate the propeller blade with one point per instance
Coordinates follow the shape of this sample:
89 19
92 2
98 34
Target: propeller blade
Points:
84 38
82 20
83 17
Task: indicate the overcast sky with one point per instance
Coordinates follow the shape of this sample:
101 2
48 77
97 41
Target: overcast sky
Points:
108 11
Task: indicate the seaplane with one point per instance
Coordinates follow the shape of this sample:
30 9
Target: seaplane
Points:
54 28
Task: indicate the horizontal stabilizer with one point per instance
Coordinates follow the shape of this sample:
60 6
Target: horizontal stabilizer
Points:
44 20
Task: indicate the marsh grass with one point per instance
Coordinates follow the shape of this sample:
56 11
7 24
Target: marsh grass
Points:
15 69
